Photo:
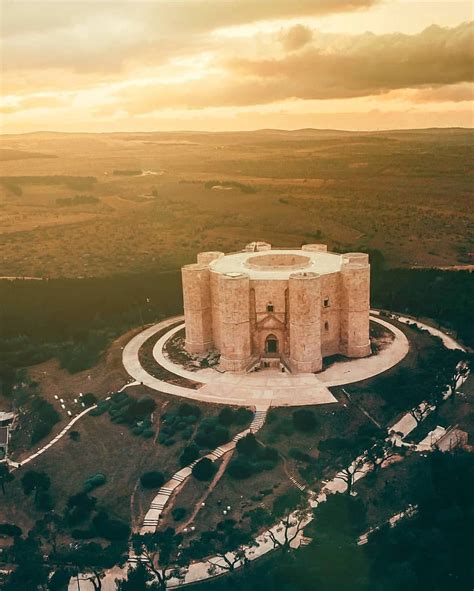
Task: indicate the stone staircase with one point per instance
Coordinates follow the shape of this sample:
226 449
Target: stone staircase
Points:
152 518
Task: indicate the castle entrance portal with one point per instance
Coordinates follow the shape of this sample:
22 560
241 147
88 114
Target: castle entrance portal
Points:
271 345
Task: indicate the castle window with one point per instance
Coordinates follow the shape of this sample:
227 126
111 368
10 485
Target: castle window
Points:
269 307
326 302
326 326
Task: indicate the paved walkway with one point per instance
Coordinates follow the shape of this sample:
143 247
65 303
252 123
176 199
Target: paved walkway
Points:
61 434
263 387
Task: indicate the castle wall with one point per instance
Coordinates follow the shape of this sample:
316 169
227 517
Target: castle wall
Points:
330 314
355 305
311 315
197 308
305 322
234 312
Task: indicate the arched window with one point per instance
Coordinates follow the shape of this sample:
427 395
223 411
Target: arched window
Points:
271 344
269 307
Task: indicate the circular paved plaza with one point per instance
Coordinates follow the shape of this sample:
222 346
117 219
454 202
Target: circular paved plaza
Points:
270 387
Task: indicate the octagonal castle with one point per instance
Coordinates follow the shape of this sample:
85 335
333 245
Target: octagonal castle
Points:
285 308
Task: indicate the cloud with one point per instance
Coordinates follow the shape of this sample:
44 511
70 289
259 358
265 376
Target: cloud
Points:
369 64
296 37
332 68
105 35
33 102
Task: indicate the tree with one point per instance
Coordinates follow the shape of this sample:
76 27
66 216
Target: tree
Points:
48 528
60 580
30 572
39 482
304 420
224 548
89 399
190 454
459 365
79 507
380 452
92 560
340 515
138 579
204 469
159 552
349 472
5 476
153 479
290 527
247 445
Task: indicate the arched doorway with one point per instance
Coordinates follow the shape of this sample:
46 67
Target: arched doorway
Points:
271 345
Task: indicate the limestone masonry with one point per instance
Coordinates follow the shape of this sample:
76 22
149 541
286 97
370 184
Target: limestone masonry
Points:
285 308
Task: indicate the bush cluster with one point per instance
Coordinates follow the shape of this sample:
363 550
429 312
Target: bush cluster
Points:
94 481
10 530
240 416
124 409
211 433
153 479
45 417
252 457
181 422
204 469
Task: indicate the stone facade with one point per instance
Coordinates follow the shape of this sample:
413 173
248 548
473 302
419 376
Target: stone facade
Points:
277 307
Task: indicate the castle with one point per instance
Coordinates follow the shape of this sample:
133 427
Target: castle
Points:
286 308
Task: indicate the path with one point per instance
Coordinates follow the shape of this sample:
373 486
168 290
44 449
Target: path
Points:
152 518
201 502
259 388
61 434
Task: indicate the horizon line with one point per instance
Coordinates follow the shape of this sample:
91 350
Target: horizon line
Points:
256 130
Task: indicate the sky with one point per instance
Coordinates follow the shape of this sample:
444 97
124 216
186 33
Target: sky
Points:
217 65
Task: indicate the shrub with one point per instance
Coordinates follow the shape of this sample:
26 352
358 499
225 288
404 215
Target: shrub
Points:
187 433
10 530
178 513
248 445
243 416
74 435
204 469
83 534
89 399
240 468
110 529
226 416
94 481
44 501
304 420
153 479
185 409
286 502
147 433
189 454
